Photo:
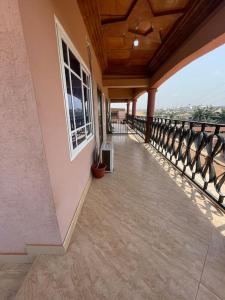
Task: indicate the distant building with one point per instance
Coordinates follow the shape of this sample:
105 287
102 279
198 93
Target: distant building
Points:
118 113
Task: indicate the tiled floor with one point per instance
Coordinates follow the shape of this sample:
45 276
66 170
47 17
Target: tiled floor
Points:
144 233
11 278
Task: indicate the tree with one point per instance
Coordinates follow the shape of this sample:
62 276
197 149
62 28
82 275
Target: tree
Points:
198 114
172 115
210 113
221 117
204 114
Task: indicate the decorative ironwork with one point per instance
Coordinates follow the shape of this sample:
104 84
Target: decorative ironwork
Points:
138 124
197 149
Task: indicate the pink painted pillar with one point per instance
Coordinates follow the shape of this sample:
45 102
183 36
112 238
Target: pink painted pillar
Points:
150 112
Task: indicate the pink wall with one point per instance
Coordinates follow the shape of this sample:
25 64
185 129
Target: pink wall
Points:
27 213
68 179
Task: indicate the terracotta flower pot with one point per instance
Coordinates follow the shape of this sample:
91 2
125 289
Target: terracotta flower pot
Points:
98 171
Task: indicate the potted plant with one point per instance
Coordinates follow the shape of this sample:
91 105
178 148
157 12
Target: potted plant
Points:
98 168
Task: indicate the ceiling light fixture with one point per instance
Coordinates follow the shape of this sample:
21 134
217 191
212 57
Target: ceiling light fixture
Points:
136 43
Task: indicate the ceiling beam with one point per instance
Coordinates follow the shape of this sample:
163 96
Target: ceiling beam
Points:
169 12
119 100
126 82
120 93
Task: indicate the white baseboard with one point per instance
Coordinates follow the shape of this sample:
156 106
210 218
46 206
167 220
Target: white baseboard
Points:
34 250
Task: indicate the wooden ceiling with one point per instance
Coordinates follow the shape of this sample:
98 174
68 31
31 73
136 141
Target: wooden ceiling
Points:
159 25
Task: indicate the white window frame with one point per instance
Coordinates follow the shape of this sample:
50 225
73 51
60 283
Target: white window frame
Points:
62 35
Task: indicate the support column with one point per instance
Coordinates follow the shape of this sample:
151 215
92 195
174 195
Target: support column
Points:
150 112
134 104
108 116
128 107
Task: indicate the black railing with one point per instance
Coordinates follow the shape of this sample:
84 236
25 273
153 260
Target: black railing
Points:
138 124
197 149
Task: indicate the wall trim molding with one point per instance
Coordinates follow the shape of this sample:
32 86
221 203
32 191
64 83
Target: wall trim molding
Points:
32 250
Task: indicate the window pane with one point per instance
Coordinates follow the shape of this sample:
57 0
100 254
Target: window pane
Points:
65 54
77 97
69 99
74 140
84 78
89 130
74 63
81 135
86 102
77 101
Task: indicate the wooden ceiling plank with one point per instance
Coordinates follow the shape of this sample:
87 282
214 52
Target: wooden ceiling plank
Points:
90 13
121 19
196 12
150 30
169 12
161 28
168 5
166 12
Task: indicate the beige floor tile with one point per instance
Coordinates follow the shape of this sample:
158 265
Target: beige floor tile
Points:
11 278
205 294
143 233
214 272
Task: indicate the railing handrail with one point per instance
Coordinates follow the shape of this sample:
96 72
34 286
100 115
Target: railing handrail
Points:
211 124
191 121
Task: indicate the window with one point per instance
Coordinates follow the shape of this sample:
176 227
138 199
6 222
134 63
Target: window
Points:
77 94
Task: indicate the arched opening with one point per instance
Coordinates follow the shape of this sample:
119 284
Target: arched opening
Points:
196 81
199 86
183 57
142 104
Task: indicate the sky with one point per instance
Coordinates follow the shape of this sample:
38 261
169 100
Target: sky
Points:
200 82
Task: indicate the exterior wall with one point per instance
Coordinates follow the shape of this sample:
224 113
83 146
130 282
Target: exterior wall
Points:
205 38
68 178
117 113
122 114
27 213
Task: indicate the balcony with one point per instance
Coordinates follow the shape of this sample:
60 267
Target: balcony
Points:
154 228
145 232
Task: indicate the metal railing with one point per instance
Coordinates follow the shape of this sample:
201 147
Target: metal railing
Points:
138 124
120 126
197 149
